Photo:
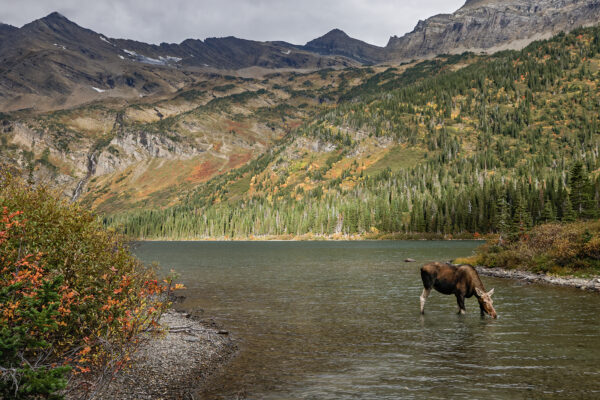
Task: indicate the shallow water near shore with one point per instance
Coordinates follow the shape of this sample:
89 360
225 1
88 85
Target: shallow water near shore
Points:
340 320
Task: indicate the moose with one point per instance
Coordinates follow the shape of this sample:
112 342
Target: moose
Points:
459 280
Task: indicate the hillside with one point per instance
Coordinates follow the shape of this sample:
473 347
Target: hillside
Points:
117 155
460 144
455 144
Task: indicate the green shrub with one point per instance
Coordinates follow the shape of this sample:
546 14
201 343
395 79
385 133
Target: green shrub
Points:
73 300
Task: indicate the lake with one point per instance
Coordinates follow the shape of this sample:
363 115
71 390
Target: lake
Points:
340 320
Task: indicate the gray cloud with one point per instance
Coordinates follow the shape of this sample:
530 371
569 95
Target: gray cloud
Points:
295 21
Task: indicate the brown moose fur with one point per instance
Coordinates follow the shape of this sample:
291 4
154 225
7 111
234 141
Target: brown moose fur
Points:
460 280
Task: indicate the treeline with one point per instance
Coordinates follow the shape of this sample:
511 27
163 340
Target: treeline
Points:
510 141
407 201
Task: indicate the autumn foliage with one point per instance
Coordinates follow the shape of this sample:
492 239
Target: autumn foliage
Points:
558 248
74 302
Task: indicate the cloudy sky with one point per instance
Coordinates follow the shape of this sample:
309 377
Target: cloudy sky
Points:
296 21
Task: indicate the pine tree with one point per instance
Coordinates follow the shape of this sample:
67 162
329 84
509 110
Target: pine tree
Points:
502 222
548 212
581 192
521 219
568 215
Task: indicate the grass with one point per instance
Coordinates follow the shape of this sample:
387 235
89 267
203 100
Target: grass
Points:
240 187
398 157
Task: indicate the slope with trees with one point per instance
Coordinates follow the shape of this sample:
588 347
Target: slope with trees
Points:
468 145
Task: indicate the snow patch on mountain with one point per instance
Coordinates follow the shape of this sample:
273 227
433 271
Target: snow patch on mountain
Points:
105 40
153 61
171 58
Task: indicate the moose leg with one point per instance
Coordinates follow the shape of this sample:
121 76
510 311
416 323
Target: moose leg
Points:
460 299
423 298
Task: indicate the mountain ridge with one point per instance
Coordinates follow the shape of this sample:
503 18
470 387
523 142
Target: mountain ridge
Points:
53 63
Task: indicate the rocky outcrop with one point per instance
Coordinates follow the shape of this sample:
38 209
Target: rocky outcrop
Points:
490 25
132 147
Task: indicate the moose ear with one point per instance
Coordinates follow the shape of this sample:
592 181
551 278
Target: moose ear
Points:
490 293
479 292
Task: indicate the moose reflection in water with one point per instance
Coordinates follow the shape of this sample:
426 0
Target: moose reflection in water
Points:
460 280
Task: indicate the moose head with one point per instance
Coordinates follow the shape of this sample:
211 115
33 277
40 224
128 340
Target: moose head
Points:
486 302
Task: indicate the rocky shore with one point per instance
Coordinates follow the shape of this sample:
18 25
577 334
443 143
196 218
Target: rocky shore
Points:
176 364
592 284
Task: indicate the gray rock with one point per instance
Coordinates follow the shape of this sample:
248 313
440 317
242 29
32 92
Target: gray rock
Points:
174 365
482 25
539 278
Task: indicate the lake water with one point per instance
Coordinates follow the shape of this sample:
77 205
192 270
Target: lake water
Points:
340 320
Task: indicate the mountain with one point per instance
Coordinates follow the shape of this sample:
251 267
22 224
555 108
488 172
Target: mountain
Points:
337 42
491 25
54 63
480 25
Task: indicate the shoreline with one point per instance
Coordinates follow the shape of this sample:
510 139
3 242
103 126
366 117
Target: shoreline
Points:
177 364
589 284
311 239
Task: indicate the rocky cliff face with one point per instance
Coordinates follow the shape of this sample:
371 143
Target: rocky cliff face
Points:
489 25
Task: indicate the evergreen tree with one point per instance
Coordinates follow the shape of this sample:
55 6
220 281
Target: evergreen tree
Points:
568 215
581 192
503 222
548 212
521 222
